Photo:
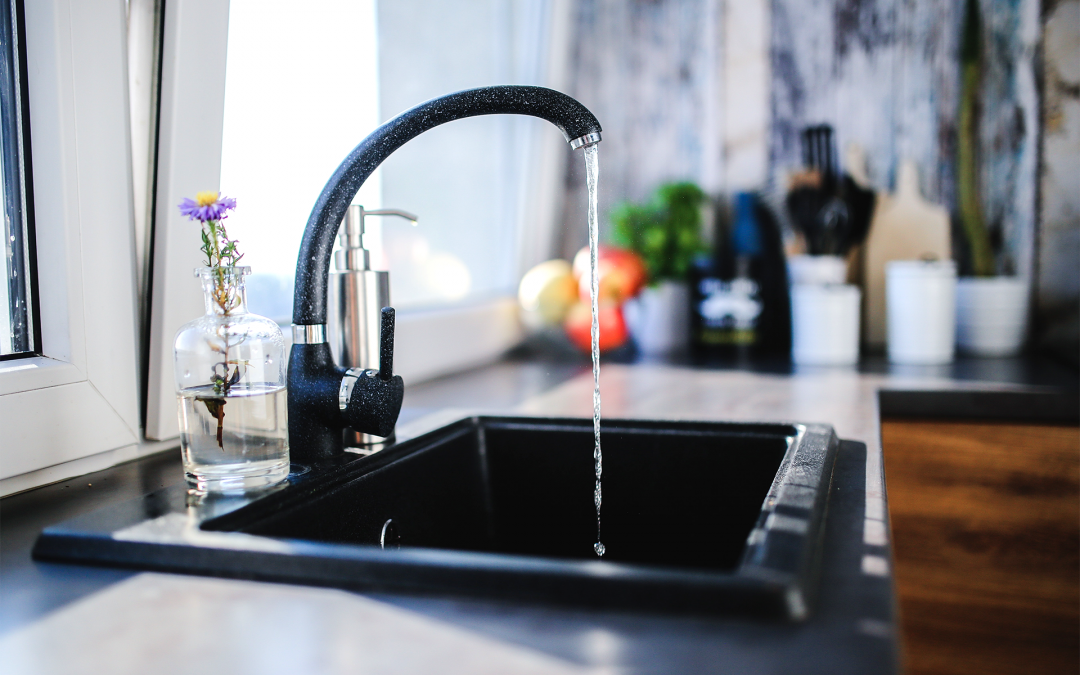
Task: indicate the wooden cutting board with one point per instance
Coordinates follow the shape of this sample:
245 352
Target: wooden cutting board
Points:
904 227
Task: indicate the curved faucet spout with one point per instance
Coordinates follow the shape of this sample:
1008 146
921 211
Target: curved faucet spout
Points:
324 398
313 267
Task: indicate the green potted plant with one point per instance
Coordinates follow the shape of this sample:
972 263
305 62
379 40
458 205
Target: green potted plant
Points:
666 233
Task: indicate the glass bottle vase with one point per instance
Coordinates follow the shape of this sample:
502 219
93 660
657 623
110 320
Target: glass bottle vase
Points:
230 387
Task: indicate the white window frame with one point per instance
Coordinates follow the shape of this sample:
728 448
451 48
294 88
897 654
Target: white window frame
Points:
192 111
75 408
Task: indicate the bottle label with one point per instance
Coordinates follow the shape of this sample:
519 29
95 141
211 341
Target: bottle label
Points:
729 311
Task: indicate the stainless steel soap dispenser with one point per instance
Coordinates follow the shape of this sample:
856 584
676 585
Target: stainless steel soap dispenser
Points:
357 295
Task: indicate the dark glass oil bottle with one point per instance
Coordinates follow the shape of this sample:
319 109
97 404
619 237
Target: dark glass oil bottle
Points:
740 307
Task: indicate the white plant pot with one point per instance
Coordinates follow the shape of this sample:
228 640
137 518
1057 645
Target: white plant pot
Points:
659 318
991 315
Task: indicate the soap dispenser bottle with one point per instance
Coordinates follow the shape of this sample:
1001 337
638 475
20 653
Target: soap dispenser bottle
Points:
356 297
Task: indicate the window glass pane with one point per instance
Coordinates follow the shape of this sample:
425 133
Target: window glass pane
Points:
16 309
460 178
304 88
301 91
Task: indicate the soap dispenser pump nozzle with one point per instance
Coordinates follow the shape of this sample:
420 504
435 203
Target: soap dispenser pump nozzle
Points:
353 255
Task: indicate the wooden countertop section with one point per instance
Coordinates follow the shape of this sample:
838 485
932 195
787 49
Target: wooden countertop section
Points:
986 518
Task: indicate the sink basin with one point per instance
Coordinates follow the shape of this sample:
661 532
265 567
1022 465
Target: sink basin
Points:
718 518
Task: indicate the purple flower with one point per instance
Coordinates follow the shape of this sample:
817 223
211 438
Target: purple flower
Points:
207 206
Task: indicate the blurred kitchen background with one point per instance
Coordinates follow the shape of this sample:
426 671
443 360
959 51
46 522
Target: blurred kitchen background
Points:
982 98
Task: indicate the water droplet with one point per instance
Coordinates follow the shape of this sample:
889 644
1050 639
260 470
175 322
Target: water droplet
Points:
269 359
600 549
187 373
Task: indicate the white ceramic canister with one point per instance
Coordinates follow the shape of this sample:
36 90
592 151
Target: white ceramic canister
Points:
920 299
991 315
825 324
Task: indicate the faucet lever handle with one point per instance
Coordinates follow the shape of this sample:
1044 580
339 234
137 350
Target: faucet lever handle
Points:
386 344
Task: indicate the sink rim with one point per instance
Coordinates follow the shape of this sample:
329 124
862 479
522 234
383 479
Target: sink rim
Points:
776 575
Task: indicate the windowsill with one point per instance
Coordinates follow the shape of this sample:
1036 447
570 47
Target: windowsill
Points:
36 372
431 342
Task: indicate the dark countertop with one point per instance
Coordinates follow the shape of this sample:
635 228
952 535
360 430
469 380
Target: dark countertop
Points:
853 629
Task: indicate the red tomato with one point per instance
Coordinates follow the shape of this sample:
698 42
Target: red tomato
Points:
578 326
622 273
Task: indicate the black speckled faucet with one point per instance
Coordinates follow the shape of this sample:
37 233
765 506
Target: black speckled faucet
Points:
323 399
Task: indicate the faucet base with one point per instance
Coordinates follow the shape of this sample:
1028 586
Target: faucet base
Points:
316 417
314 420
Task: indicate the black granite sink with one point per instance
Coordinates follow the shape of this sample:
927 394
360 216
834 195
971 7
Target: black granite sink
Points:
720 518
